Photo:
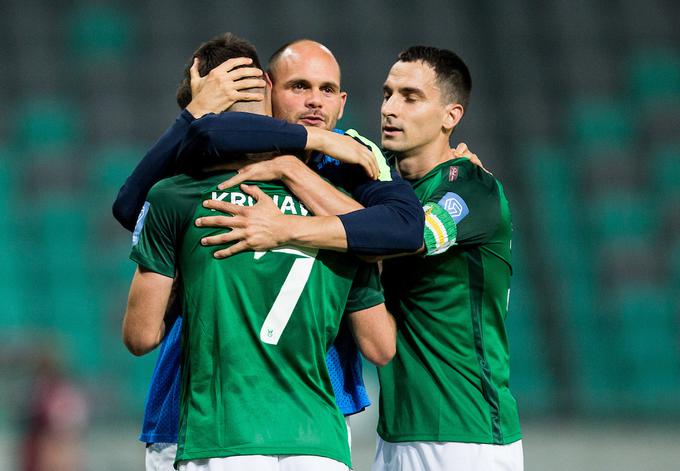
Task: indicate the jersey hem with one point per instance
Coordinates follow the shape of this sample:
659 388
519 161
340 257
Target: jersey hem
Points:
486 440
222 453
151 438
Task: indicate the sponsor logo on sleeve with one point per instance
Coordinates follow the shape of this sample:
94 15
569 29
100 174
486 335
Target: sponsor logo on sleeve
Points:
453 174
455 206
140 223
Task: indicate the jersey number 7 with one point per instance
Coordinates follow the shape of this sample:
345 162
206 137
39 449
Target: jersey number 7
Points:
289 294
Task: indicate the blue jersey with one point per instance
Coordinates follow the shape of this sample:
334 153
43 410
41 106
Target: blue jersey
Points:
161 414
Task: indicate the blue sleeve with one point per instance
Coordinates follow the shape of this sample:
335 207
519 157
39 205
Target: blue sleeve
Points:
392 221
213 138
157 164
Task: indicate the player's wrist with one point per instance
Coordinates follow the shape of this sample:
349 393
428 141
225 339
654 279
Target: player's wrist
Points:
196 110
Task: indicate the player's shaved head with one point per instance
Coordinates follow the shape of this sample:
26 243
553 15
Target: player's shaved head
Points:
301 49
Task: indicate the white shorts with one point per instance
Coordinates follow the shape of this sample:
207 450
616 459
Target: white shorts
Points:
161 456
447 456
264 463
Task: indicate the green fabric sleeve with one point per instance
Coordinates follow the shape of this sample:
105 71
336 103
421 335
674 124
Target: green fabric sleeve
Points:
366 289
156 248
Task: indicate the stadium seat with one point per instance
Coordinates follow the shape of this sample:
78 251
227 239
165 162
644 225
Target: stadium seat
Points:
654 76
665 168
621 215
530 379
600 122
648 349
47 126
99 33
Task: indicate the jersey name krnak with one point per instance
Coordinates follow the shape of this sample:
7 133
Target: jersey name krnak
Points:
285 203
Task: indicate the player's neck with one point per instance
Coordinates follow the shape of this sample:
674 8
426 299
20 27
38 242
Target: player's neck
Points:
255 107
417 162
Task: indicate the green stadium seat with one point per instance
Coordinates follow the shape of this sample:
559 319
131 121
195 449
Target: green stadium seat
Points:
600 123
654 76
647 348
100 33
622 215
665 168
530 379
47 126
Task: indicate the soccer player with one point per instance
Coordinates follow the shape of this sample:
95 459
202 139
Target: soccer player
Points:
256 393
445 401
389 203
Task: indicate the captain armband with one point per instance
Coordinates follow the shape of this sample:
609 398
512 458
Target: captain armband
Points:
440 229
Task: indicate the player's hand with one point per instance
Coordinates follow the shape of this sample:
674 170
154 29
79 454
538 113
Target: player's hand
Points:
259 227
344 148
275 168
223 86
462 151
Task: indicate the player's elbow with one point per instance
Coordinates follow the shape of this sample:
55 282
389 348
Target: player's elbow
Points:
122 215
138 346
138 341
380 354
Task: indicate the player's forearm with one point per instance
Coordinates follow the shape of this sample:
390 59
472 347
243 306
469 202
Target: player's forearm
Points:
392 222
320 232
157 164
319 196
217 138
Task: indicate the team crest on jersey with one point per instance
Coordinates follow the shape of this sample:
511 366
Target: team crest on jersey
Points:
455 206
453 173
140 223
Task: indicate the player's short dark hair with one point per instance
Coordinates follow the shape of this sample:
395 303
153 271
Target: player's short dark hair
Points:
453 76
212 53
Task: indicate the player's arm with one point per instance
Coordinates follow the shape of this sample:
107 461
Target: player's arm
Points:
148 303
158 163
263 226
218 138
375 332
215 92
386 217
462 212
373 328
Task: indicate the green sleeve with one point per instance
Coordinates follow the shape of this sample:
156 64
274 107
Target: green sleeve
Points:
366 289
156 247
465 211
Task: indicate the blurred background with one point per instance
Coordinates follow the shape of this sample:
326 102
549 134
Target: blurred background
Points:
575 108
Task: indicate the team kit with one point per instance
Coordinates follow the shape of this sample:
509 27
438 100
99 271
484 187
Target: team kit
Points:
278 254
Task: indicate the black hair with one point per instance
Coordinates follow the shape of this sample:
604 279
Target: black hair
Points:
452 74
212 53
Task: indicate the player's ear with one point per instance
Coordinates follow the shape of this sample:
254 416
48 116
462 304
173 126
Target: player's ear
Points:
453 114
343 100
267 79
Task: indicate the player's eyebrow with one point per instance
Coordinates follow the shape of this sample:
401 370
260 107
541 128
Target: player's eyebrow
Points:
405 91
332 85
296 81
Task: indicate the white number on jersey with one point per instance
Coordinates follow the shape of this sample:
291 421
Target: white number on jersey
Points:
289 294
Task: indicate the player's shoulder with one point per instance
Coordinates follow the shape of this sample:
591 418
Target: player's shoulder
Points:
462 172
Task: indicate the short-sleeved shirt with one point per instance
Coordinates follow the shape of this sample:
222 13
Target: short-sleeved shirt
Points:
449 380
257 327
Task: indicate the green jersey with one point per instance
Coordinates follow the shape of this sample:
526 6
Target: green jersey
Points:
449 379
256 330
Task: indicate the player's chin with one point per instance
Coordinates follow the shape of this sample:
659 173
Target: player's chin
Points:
390 144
